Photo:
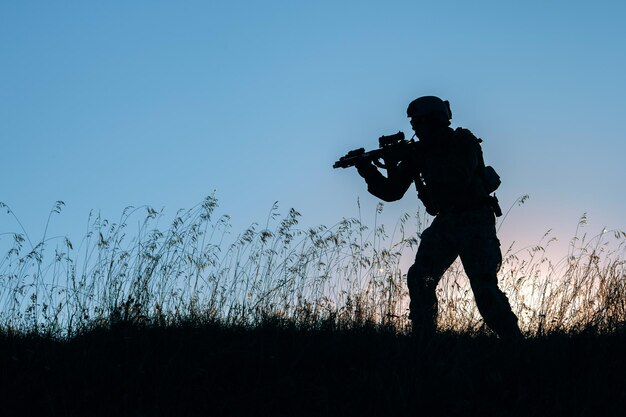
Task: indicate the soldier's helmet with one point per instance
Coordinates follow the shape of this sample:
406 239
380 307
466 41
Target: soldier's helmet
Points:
430 107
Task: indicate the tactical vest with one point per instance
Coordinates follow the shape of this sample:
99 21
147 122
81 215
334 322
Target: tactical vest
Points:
452 176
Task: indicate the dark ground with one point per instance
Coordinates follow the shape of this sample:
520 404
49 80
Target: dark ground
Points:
193 370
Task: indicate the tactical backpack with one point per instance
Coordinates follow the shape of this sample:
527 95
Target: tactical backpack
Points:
488 175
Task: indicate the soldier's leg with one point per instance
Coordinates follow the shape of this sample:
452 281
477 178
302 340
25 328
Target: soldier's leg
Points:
434 255
480 253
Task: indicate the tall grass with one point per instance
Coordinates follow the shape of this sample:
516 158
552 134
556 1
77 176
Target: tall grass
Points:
584 291
196 268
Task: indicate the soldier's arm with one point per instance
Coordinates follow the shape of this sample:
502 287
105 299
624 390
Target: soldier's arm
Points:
390 188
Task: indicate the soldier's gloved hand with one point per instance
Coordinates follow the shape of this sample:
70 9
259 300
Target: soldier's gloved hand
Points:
366 168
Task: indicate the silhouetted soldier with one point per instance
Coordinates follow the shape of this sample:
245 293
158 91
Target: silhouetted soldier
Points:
449 175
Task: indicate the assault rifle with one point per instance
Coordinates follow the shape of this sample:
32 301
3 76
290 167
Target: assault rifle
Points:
393 148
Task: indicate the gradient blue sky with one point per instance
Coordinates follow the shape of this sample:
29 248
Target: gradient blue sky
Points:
110 104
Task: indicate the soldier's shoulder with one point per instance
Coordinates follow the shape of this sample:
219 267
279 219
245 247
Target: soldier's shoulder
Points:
464 133
467 137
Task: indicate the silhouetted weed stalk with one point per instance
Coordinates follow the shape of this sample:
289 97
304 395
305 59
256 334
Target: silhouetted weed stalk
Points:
345 276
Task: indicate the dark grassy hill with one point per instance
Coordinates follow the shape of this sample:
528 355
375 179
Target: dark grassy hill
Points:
280 370
329 280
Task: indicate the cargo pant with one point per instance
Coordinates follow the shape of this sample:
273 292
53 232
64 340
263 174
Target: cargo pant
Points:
472 236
